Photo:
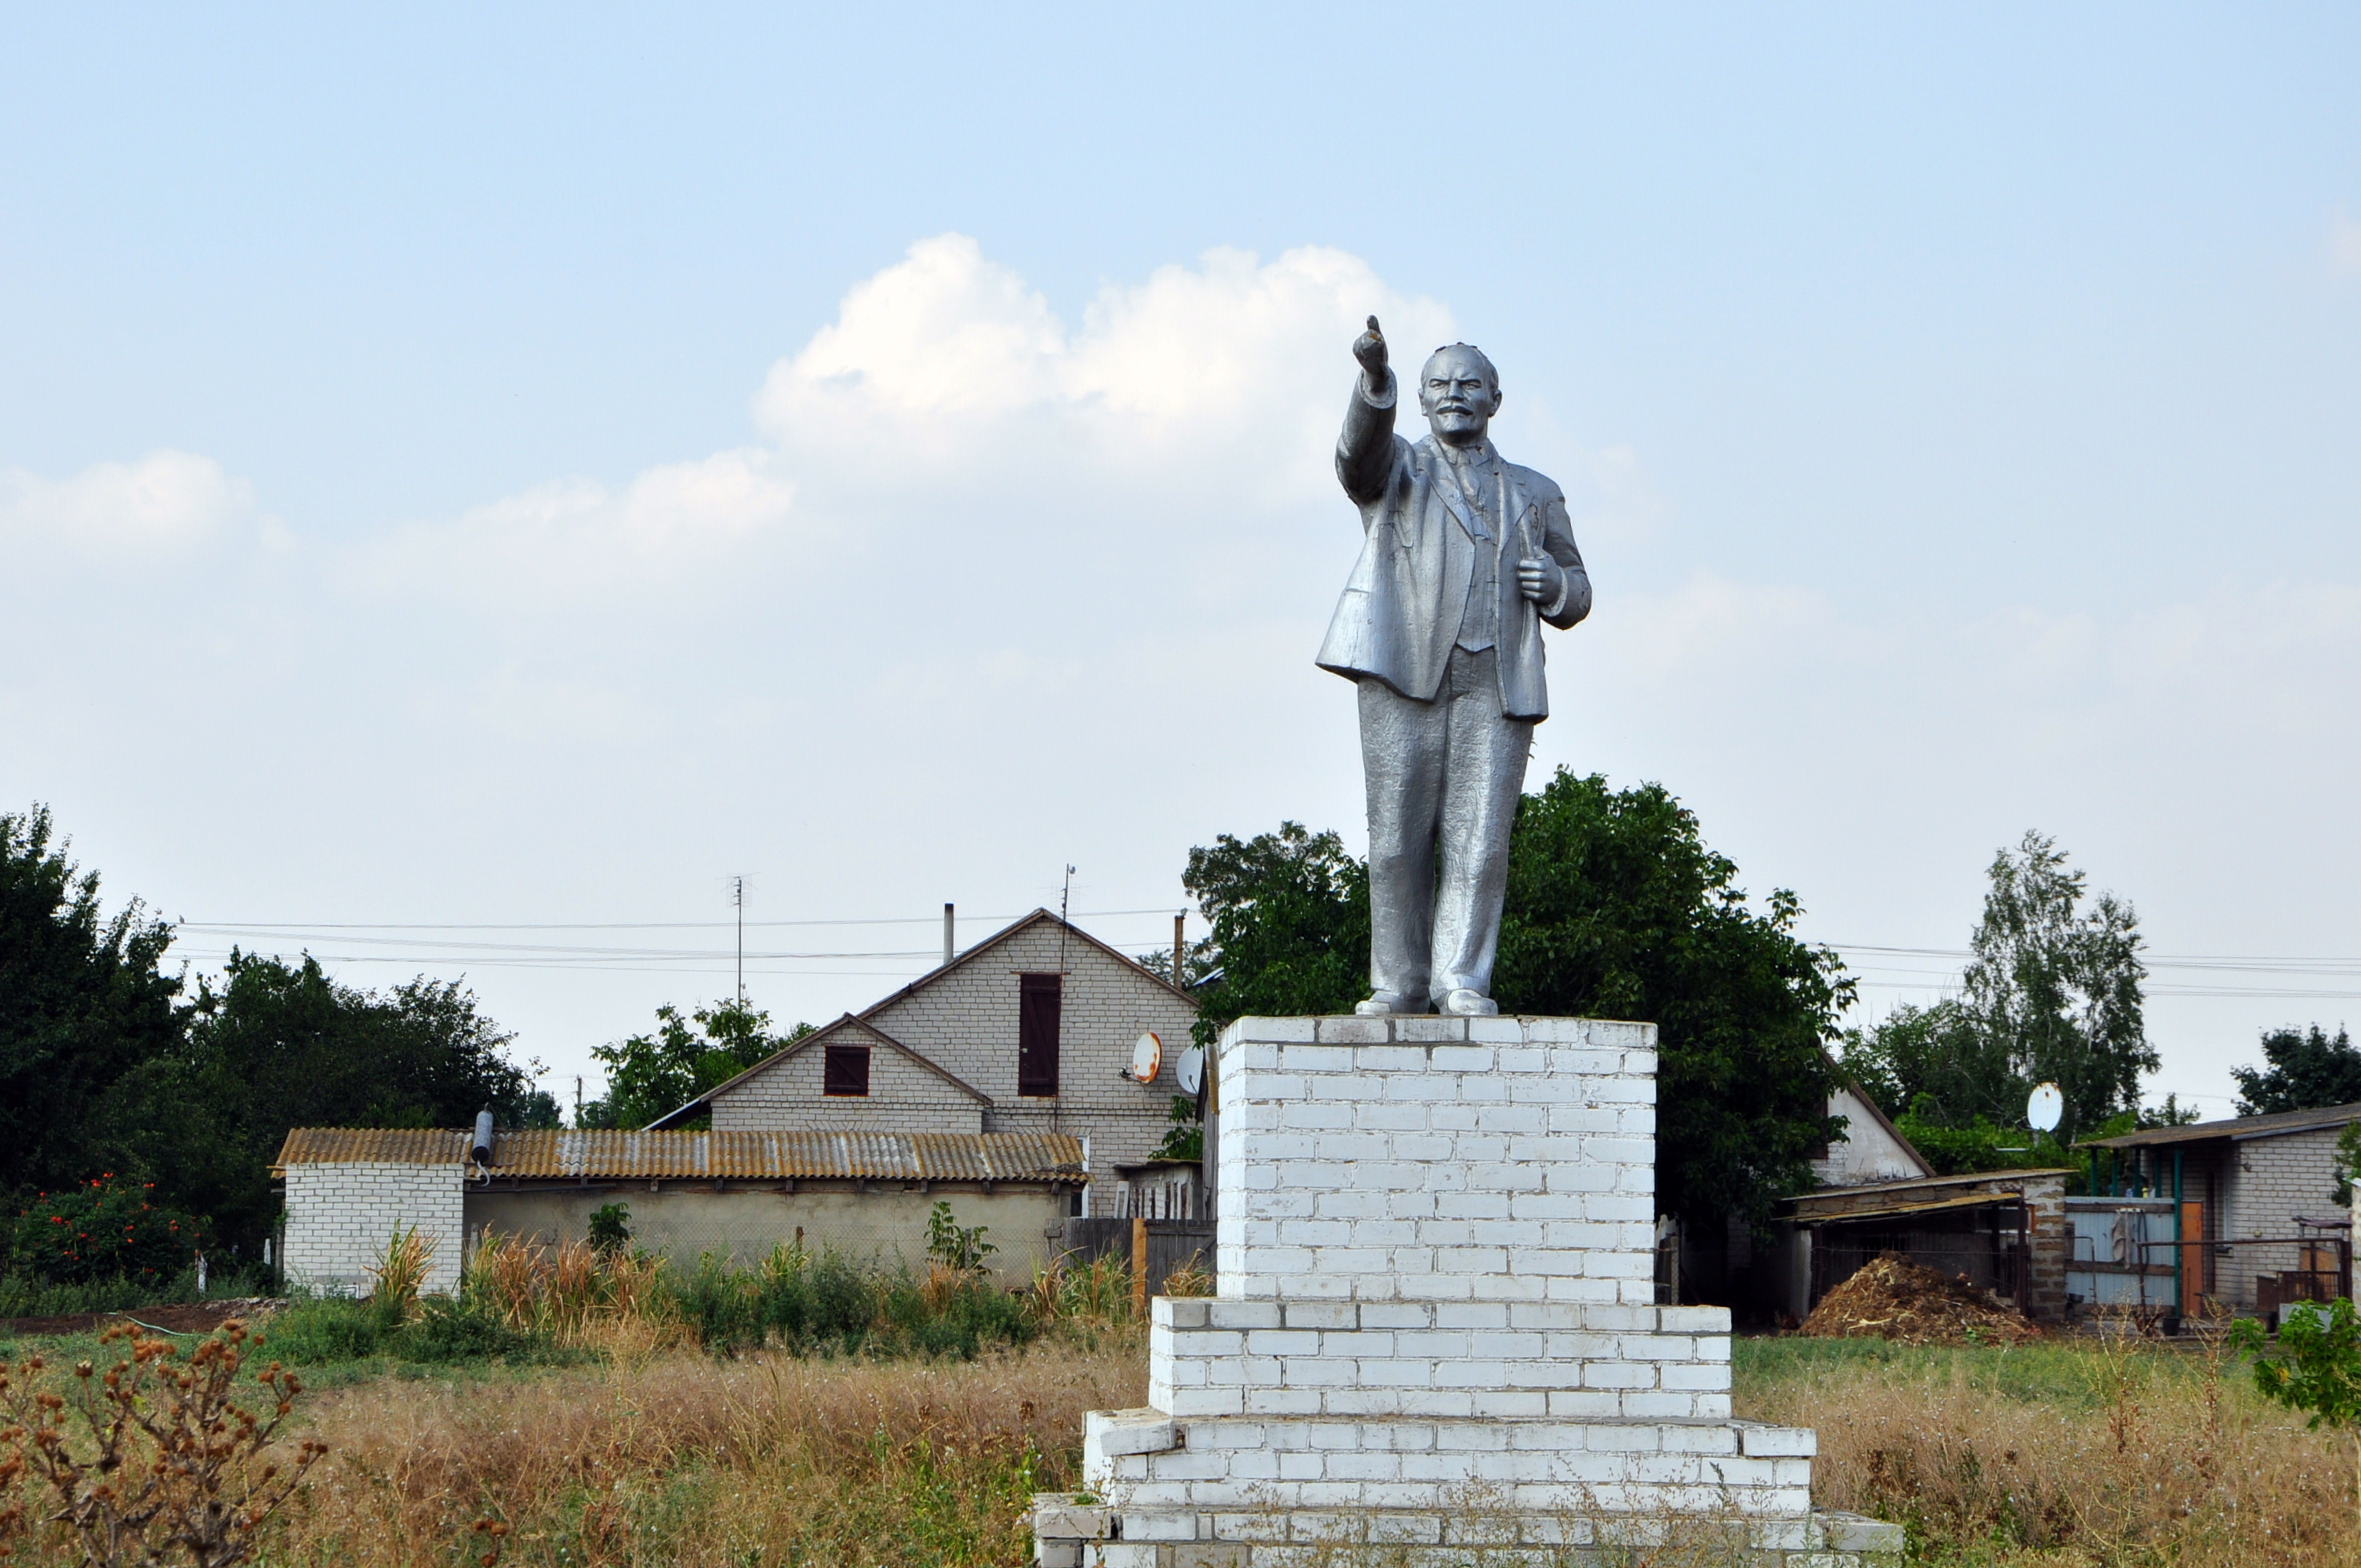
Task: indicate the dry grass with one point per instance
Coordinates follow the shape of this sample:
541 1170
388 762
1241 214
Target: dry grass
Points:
576 1296
2116 1453
690 1461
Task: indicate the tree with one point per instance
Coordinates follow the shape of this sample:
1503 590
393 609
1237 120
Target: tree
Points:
1290 913
2053 990
2307 1069
650 1074
1616 908
84 999
1933 1064
280 1045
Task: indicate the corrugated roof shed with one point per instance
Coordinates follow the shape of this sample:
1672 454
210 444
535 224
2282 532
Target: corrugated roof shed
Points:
600 1154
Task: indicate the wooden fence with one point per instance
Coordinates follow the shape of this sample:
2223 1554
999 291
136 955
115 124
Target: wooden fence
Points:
1170 1244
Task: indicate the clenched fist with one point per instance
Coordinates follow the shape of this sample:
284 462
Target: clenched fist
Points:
1369 348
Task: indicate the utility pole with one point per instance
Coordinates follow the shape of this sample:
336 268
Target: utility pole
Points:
738 897
1179 947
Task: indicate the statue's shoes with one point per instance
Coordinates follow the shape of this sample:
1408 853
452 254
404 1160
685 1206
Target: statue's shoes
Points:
1384 1003
1467 1005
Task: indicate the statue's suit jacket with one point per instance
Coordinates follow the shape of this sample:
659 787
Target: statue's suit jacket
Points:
1399 614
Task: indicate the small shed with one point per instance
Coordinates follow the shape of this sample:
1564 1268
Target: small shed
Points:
2248 1201
2005 1230
735 1195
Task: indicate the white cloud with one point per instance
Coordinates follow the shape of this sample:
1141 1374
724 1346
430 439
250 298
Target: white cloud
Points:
569 539
159 506
946 361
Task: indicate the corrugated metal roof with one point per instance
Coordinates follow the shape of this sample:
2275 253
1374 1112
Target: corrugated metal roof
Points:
601 1155
2238 1129
380 1145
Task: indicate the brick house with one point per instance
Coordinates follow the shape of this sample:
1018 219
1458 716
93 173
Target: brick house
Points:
1029 1031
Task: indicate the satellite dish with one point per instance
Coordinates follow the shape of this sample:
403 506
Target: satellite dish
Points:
2043 1107
1190 1069
1146 1056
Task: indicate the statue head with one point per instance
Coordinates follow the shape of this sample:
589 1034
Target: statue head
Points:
1459 392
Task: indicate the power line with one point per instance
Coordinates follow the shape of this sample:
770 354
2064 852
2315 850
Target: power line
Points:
233 928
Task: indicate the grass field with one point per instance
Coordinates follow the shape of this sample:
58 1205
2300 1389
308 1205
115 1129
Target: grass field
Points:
2046 1454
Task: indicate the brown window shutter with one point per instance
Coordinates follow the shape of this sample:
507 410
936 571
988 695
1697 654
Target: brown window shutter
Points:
1037 998
845 1070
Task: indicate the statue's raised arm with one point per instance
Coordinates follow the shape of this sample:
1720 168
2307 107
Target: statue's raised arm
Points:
1365 452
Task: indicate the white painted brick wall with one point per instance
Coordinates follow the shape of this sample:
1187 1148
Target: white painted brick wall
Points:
340 1217
1437 1249
1437 1159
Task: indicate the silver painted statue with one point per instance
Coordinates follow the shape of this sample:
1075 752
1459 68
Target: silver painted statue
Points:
1464 556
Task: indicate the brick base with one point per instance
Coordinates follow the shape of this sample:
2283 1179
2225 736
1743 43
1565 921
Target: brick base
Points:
1434 1341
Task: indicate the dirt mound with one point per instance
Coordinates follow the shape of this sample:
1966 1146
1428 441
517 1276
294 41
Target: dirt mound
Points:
185 1317
1895 1298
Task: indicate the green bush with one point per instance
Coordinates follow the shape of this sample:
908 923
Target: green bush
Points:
107 1228
448 1331
327 1328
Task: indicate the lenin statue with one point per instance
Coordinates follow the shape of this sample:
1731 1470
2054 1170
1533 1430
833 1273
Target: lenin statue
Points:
1464 556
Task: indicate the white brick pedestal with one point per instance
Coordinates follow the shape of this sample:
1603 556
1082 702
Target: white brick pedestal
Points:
1436 1338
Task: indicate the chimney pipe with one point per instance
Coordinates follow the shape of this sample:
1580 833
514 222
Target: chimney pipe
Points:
951 949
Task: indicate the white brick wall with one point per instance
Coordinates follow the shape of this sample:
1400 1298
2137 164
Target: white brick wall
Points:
1437 1244
1501 1160
340 1217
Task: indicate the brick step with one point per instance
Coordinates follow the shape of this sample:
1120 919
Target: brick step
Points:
1078 1530
1145 1460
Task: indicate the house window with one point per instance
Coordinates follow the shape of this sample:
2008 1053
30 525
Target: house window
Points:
1037 1034
847 1071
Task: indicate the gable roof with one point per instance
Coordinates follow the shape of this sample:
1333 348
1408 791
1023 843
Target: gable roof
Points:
2237 1129
848 1024
1013 929
600 1155
959 961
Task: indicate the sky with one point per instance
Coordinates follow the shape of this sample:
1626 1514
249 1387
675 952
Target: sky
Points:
476 480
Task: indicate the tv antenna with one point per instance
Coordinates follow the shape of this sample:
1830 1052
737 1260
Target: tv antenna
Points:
1065 896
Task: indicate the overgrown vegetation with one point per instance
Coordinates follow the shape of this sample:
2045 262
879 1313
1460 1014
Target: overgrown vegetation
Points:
2112 1450
155 1459
31 1296
521 1302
